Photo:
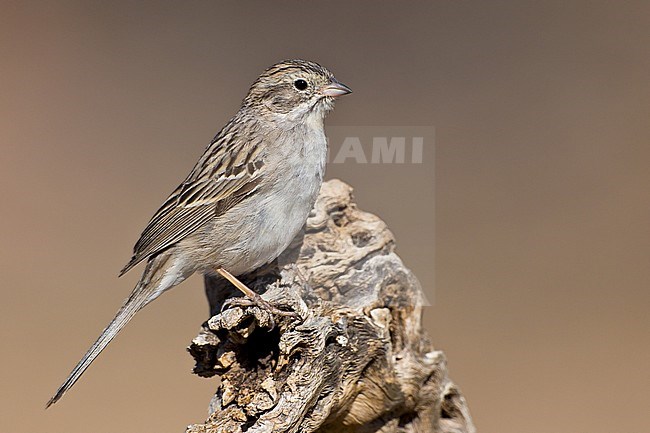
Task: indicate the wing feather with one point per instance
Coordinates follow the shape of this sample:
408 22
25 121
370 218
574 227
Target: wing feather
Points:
221 179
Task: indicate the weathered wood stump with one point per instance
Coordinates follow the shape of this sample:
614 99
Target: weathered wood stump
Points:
356 359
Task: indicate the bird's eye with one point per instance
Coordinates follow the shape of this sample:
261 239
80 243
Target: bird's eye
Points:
300 84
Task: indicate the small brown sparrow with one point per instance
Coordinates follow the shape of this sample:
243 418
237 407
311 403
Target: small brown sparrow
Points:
246 198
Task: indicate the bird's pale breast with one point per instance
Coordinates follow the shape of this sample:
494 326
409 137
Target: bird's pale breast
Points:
257 231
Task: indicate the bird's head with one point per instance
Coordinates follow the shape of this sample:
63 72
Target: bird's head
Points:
294 91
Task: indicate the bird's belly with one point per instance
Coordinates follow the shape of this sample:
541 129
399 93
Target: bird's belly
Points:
260 228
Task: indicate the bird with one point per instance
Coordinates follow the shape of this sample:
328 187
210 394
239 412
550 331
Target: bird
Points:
244 201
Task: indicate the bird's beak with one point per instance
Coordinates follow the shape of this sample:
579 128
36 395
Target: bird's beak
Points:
335 89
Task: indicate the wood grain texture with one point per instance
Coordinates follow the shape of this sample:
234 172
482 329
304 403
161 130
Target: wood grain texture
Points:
357 361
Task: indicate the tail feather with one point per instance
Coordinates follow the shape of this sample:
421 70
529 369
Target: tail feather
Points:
147 289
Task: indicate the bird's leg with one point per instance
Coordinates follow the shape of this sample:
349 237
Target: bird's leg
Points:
254 297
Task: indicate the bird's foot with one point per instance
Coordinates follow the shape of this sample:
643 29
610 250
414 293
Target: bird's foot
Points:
255 300
252 298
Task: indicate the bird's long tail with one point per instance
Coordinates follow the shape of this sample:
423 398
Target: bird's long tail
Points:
154 281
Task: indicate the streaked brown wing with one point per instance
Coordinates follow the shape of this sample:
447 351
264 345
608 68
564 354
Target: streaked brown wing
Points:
196 201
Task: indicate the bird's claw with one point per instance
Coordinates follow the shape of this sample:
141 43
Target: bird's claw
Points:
258 301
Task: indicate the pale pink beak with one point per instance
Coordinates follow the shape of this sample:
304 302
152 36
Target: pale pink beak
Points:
335 89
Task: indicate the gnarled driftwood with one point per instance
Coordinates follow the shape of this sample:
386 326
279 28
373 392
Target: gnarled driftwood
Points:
356 360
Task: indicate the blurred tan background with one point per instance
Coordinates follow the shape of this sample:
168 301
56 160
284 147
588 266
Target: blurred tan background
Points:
541 238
